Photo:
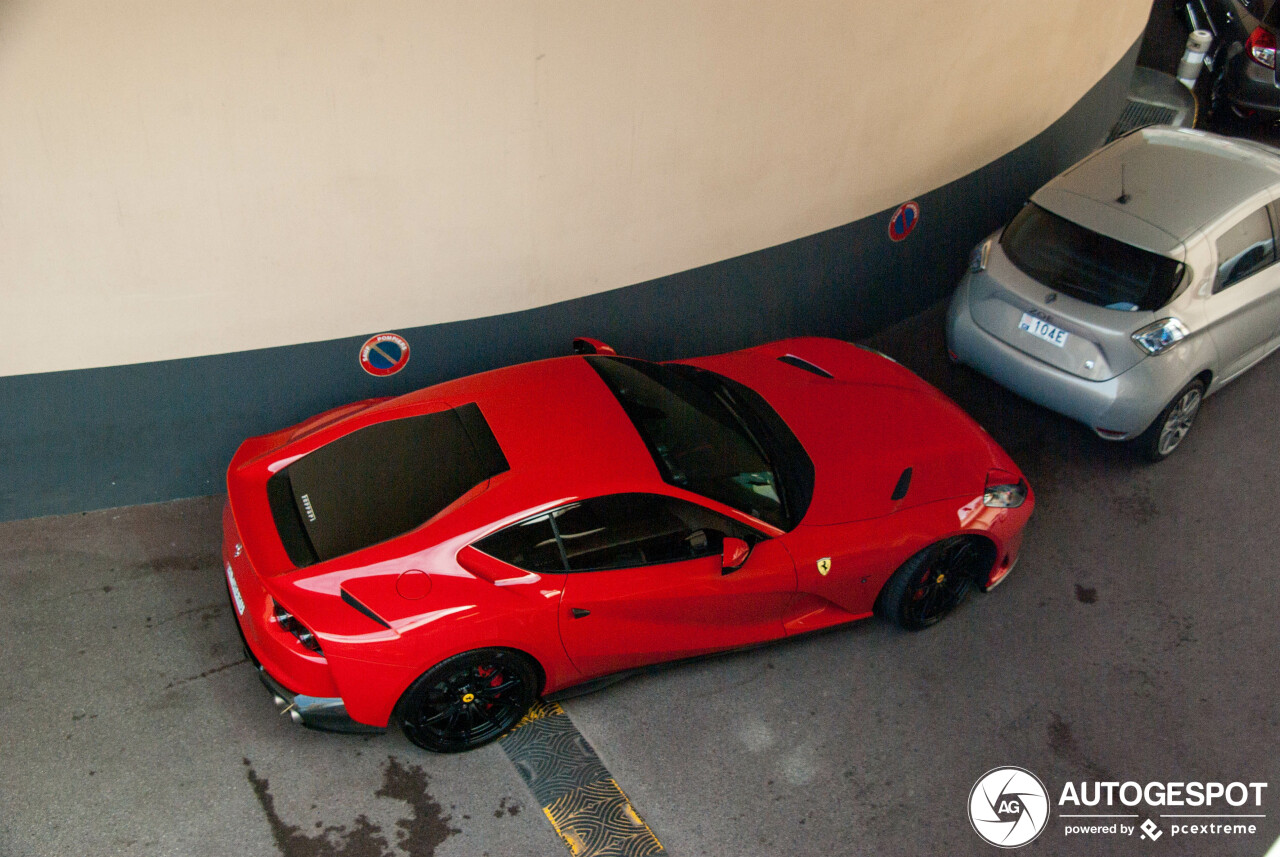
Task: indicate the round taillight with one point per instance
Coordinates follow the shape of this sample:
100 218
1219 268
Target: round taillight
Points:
1262 47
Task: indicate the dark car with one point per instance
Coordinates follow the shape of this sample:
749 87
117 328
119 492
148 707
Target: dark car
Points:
1243 56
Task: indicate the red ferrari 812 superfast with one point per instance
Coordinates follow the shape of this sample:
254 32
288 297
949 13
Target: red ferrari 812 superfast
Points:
438 560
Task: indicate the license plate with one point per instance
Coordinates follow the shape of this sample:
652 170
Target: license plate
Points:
1041 328
235 590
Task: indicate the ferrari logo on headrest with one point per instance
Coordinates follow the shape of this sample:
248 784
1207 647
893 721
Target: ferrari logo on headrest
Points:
824 565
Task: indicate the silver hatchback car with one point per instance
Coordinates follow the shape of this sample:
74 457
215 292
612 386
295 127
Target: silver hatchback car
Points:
1131 286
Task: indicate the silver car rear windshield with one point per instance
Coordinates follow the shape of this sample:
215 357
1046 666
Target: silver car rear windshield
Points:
1087 265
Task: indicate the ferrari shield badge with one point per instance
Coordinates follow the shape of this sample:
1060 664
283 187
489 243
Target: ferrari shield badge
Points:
824 565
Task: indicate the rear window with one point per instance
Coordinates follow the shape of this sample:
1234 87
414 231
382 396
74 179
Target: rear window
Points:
380 482
1087 265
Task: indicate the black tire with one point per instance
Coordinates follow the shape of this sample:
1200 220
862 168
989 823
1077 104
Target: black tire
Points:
932 583
468 700
1168 431
1224 117
1216 114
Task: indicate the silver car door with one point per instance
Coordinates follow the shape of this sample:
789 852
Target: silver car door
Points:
1244 310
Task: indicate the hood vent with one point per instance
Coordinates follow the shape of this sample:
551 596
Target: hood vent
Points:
801 363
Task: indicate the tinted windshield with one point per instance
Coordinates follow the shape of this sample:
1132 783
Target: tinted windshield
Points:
714 437
1086 265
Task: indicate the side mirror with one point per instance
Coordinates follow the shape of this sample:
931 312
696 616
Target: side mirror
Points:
587 345
735 554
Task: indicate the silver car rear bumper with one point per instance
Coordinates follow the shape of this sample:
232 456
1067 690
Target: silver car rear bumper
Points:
1116 409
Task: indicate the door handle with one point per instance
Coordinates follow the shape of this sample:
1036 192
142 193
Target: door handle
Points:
578 612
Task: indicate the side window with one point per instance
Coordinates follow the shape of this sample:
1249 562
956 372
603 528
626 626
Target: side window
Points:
1244 249
530 545
616 531
625 530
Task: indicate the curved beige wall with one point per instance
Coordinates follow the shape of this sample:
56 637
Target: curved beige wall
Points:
182 178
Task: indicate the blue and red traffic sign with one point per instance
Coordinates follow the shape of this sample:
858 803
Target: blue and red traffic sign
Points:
904 220
384 354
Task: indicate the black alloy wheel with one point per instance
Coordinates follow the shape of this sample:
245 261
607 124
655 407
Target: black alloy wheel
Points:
468 700
1222 116
932 583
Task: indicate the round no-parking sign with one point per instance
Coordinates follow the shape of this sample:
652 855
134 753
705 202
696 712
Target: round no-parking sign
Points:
904 220
384 354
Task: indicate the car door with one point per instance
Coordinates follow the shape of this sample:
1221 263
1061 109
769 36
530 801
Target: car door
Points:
1243 312
645 583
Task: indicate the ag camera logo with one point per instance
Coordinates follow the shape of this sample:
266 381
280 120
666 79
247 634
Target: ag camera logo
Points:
1008 807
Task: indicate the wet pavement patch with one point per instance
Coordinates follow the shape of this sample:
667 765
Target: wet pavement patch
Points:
426 827
207 614
510 809
578 795
211 671
1063 744
179 562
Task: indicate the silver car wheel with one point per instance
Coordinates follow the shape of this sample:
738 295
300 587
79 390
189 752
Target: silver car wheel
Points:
1179 421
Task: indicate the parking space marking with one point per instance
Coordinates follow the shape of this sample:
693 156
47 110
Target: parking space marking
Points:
578 795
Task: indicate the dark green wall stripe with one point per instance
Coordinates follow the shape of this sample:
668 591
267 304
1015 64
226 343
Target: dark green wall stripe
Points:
95 438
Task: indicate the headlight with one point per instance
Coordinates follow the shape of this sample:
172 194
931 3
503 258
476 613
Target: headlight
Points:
1161 336
1004 490
978 257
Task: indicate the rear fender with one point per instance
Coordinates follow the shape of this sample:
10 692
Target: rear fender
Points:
479 614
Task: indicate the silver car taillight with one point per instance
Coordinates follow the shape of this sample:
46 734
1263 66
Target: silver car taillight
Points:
978 257
1160 336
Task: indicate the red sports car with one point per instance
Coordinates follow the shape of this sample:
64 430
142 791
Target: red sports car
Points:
442 558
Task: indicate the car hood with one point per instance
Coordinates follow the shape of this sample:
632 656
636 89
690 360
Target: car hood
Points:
864 426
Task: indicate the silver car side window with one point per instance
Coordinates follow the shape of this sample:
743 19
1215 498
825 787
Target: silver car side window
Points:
1244 249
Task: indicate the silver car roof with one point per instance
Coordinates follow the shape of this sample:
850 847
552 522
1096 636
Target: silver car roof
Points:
1177 181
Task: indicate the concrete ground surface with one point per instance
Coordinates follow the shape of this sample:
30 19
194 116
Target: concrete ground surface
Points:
1136 640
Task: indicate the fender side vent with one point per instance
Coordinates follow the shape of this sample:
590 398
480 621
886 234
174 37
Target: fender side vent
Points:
801 363
351 599
904 483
